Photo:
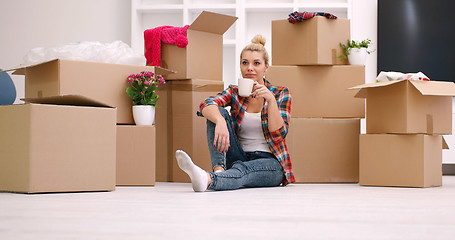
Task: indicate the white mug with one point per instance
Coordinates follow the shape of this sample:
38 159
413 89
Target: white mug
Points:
245 87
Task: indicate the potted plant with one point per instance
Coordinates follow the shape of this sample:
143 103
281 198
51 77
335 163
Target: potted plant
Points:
142 91
356 52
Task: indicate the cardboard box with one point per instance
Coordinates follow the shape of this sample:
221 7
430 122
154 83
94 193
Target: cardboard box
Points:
408 107
315 41
136 155
103 82
203 56
178 126
413 160
324 150
57 148
321 91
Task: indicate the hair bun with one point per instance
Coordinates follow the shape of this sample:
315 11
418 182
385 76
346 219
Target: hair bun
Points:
258 39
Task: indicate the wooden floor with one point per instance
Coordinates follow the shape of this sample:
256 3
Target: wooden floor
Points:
174 211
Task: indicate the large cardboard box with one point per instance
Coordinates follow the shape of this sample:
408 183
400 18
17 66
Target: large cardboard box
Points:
401 160
324 150
203 56
135 155
321 91
57 148
409 107
315 41
178 126
103 82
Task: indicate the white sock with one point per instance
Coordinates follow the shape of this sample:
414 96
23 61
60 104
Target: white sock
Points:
199 178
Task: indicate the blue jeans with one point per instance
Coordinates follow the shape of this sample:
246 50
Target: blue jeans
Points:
243 169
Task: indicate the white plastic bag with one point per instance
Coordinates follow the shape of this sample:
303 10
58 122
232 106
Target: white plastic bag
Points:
115 52
391 76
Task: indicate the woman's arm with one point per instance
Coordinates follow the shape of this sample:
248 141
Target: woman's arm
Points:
221 139
274 116
275 121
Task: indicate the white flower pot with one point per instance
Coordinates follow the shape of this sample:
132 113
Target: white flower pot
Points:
357 56
144 115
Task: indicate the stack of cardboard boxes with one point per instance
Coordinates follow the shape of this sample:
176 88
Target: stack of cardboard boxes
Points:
404 123
323 138
199 74
65 138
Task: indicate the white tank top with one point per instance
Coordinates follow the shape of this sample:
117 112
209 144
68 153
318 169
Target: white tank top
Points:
250 134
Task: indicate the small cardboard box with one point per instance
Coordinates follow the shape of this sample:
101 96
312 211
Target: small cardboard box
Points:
324 150
135 155
315 41
103 82
203 56
408 107
178 126
47 147
321 91
401 160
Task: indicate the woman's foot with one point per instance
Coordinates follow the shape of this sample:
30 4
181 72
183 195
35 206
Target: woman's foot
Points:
199 177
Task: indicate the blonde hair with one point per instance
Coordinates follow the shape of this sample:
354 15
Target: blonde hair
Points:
257 45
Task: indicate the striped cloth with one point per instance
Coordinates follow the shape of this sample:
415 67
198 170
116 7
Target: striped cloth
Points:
296 16
275 140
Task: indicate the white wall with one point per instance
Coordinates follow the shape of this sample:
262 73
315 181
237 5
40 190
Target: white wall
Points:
364 25
26 24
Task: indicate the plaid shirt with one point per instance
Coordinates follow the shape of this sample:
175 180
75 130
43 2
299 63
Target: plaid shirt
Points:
276 139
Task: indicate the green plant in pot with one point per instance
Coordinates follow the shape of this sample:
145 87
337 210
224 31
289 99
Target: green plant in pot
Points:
356 51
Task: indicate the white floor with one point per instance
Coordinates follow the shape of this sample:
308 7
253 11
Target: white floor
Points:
174 211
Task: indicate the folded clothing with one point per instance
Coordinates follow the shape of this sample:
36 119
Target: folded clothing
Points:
167 34
296 16
392 76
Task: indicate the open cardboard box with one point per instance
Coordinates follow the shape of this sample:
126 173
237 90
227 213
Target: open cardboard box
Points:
203 56
401 160
408 106
178 126
315 41
136 155
57 144
103 82
321 91
324 150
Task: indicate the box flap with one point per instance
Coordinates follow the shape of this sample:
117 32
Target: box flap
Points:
435 88
212 22
444 144
20 70
377 84
362 88
73 100
163 71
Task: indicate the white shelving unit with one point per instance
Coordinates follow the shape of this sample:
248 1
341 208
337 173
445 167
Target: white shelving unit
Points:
254 17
